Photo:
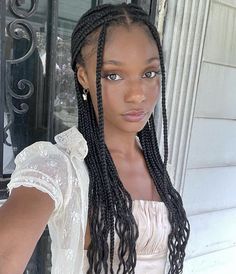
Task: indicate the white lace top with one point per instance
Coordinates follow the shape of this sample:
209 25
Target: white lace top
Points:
60 171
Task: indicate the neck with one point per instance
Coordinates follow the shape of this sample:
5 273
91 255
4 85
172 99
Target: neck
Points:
120 143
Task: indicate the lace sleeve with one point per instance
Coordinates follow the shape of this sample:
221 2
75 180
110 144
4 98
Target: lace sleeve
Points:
43 166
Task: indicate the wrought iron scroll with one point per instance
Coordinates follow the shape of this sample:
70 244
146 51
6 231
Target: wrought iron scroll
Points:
14 6
19 29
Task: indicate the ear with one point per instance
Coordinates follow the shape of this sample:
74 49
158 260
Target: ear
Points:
82 76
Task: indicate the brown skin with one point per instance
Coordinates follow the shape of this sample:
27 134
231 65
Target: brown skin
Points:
129 82
23 219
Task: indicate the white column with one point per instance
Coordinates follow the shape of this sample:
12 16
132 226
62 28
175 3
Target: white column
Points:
184 32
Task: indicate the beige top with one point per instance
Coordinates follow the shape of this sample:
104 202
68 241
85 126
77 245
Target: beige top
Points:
154 227
60 171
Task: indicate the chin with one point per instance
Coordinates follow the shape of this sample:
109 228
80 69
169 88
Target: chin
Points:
134 127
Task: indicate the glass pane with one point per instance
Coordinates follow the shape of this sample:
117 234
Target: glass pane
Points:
25 106
145 4
65 105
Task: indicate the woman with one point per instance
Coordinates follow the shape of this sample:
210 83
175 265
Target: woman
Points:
108 201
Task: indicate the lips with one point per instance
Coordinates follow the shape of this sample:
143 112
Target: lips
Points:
134 115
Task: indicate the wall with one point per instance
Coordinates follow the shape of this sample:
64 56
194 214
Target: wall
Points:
210 182
200 53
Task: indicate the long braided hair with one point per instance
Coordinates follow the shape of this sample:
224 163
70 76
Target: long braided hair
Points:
110 205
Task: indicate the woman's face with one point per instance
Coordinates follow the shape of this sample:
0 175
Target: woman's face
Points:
130 78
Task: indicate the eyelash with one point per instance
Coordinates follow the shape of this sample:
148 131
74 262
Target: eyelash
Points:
105 76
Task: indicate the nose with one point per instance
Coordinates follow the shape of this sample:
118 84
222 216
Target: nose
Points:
135 93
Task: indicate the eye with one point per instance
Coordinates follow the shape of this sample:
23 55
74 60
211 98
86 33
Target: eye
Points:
112 77
151 74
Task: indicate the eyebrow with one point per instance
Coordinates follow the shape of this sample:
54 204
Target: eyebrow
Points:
118 63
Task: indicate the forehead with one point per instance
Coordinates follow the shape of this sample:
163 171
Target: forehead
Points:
123 43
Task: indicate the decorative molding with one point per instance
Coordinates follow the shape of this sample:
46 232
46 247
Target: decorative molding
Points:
183 43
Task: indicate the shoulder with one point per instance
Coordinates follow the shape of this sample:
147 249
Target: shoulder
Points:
54 160
69 142
72 142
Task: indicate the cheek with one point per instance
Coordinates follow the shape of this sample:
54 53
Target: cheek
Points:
111 99
154 92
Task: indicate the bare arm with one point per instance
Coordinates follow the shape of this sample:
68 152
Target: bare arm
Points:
23 218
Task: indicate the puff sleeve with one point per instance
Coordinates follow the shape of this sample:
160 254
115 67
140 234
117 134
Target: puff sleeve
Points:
42 166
